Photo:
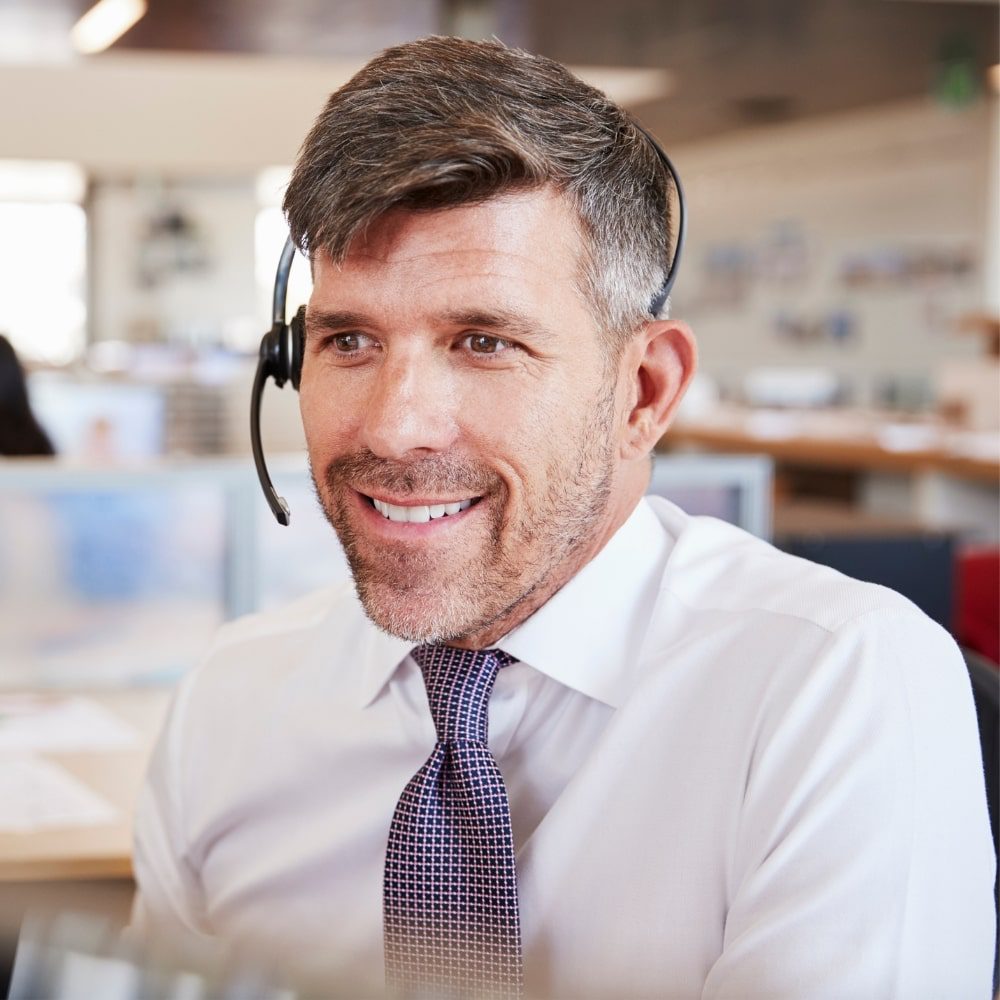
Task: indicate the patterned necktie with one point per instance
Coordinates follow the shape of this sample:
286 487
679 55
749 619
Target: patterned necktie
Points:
452 927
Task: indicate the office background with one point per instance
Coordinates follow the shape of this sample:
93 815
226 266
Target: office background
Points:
842 277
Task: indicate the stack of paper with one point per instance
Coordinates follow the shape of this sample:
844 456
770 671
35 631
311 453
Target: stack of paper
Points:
35 793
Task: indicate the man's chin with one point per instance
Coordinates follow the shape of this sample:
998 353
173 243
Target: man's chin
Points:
416 621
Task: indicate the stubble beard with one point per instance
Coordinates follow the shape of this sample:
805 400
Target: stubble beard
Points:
424 598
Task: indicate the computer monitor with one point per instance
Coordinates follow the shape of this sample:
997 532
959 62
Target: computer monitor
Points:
734 488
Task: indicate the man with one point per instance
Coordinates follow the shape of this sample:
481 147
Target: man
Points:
722 771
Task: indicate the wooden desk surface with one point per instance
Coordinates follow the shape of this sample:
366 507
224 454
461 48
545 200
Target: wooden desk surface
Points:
828 450
99 851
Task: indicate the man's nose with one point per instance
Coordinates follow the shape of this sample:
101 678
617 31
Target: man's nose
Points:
410 408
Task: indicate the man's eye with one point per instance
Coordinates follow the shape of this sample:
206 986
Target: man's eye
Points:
481 343
348 343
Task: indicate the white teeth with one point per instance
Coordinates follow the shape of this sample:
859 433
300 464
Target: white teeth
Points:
393 513
419 514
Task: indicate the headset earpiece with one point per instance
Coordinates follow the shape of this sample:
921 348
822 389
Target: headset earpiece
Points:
271 359
296 346
281 351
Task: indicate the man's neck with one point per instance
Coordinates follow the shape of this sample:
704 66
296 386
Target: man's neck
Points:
617 514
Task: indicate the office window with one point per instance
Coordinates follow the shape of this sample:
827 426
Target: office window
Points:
43 260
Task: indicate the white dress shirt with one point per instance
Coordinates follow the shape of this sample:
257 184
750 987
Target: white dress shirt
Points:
732 773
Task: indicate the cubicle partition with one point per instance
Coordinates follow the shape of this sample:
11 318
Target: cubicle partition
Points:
119 576
114 576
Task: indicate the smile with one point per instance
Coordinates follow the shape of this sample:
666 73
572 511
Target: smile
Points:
419 513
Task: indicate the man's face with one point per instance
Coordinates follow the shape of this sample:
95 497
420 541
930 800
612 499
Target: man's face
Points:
463 415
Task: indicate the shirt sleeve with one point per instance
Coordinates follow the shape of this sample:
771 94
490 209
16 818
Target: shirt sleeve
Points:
864 862
168 912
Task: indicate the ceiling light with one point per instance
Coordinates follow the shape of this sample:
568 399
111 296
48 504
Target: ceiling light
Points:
105 23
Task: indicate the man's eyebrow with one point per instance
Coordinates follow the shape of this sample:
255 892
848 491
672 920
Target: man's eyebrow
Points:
337 319
501 320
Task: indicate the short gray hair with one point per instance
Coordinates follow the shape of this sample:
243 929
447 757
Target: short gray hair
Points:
443 122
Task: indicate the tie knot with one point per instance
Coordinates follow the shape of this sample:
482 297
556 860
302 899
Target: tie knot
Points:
459 683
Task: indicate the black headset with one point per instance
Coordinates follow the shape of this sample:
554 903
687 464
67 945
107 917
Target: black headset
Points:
281 348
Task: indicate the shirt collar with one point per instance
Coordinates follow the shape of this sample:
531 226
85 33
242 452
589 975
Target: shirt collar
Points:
381 654
588 635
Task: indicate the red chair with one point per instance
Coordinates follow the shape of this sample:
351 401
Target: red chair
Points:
977 605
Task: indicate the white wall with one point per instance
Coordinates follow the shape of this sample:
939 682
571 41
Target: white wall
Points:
910 176
219 304
194 115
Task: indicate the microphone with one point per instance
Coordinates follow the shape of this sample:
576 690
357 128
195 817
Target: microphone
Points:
276 360
277 504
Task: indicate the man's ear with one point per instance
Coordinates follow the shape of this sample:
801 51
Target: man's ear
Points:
660 363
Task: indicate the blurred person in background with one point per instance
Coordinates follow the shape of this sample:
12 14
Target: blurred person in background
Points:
21 435
666 759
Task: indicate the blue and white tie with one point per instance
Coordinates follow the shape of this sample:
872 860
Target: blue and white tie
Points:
452 927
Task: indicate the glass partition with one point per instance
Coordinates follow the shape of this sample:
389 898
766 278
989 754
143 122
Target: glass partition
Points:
306 554
111 578
120 576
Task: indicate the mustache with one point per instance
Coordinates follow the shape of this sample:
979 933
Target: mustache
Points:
443 474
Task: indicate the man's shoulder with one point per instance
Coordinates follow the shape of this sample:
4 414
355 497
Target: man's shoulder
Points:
717 567
298 617
740 615
258 653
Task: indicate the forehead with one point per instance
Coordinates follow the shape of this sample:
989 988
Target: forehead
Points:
530 239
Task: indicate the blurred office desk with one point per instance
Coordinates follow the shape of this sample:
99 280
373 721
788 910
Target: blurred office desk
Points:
99 851
853 439
922 470
84 868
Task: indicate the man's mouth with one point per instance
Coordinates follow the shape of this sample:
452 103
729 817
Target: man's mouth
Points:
419 513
